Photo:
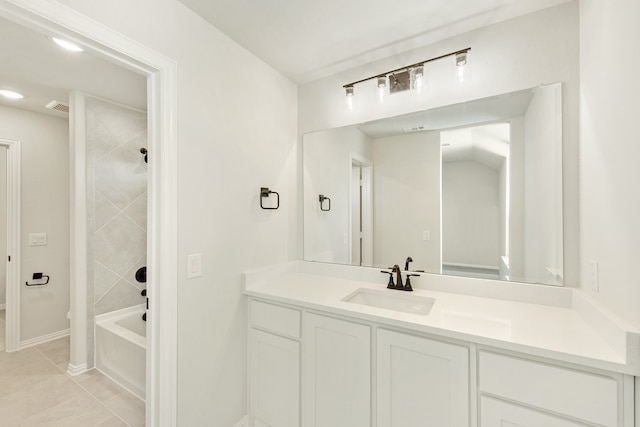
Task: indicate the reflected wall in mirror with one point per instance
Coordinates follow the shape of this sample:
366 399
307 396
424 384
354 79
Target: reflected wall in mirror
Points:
472 189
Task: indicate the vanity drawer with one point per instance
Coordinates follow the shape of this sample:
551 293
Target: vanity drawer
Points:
275 318
585 396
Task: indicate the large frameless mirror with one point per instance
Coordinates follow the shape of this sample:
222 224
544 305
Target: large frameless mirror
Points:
471 189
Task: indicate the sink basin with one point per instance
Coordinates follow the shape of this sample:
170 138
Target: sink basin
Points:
392 300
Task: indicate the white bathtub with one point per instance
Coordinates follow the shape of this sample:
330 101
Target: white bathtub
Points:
121 348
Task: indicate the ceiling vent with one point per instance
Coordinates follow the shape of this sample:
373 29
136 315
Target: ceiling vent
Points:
415 129
58 106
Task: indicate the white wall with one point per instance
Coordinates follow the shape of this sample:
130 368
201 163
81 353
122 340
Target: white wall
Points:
44 209
327 170
406 181
3 226
542 190
470 214
236 133
520 53
610 152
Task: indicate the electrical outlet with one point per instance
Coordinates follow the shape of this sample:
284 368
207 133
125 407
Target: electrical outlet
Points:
593 269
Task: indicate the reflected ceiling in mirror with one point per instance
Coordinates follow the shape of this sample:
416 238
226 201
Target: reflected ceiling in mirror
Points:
471 189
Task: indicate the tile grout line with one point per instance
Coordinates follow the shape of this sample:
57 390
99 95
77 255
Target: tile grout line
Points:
77 383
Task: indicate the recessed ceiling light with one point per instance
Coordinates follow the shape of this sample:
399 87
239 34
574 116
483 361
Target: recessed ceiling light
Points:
66 44
11 94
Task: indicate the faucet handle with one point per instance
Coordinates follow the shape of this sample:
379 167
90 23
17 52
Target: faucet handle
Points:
390 285
407 286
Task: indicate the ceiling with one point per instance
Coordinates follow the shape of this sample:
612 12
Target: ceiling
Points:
487 144
485 110
303 39
310 39
36 67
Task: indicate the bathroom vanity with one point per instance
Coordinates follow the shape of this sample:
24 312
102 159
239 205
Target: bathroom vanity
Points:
329 345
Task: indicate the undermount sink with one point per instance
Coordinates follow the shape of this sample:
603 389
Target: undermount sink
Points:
391 300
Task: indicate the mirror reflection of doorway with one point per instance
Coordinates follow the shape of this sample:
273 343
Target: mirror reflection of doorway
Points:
475 200
361 212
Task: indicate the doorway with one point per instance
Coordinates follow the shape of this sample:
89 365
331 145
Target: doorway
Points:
361 211
10 189
55 19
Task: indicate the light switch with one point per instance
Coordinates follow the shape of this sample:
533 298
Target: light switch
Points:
194 266
426 235
37 239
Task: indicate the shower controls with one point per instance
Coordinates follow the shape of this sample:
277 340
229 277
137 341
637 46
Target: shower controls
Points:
141 275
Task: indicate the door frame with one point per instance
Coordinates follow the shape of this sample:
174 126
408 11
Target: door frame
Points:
12 306
53 18
366 206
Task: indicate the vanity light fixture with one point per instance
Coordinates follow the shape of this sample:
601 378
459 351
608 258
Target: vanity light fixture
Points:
461 59
398 78
11 94
417 77
349 91
418 71
65 44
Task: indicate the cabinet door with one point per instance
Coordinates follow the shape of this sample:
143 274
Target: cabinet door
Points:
274 379
336 373
497 413
421 382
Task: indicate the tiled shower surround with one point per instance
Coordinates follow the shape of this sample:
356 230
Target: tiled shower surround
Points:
117 207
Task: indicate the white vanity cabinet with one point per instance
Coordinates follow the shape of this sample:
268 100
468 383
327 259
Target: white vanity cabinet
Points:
274 364
518 392
336 367
421 382
310 368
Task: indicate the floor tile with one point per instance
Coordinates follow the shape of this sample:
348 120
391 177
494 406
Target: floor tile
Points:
99 386
131 410
114 422
35 391
83 411
38 398
26 376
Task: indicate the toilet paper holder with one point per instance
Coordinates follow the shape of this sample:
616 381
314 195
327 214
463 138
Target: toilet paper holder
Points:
38 276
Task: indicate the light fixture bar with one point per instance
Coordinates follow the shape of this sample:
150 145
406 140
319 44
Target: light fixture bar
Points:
407 67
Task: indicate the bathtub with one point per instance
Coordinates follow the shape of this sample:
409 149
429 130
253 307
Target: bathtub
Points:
121 352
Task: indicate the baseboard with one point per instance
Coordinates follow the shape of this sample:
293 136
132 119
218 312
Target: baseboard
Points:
75 370
42 339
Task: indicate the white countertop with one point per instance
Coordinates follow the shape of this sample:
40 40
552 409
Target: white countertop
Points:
554 328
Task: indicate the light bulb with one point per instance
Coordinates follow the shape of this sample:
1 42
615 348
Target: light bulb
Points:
349 91
417 79
11 94
461 59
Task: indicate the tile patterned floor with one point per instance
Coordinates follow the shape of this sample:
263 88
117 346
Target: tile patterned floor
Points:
36 391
